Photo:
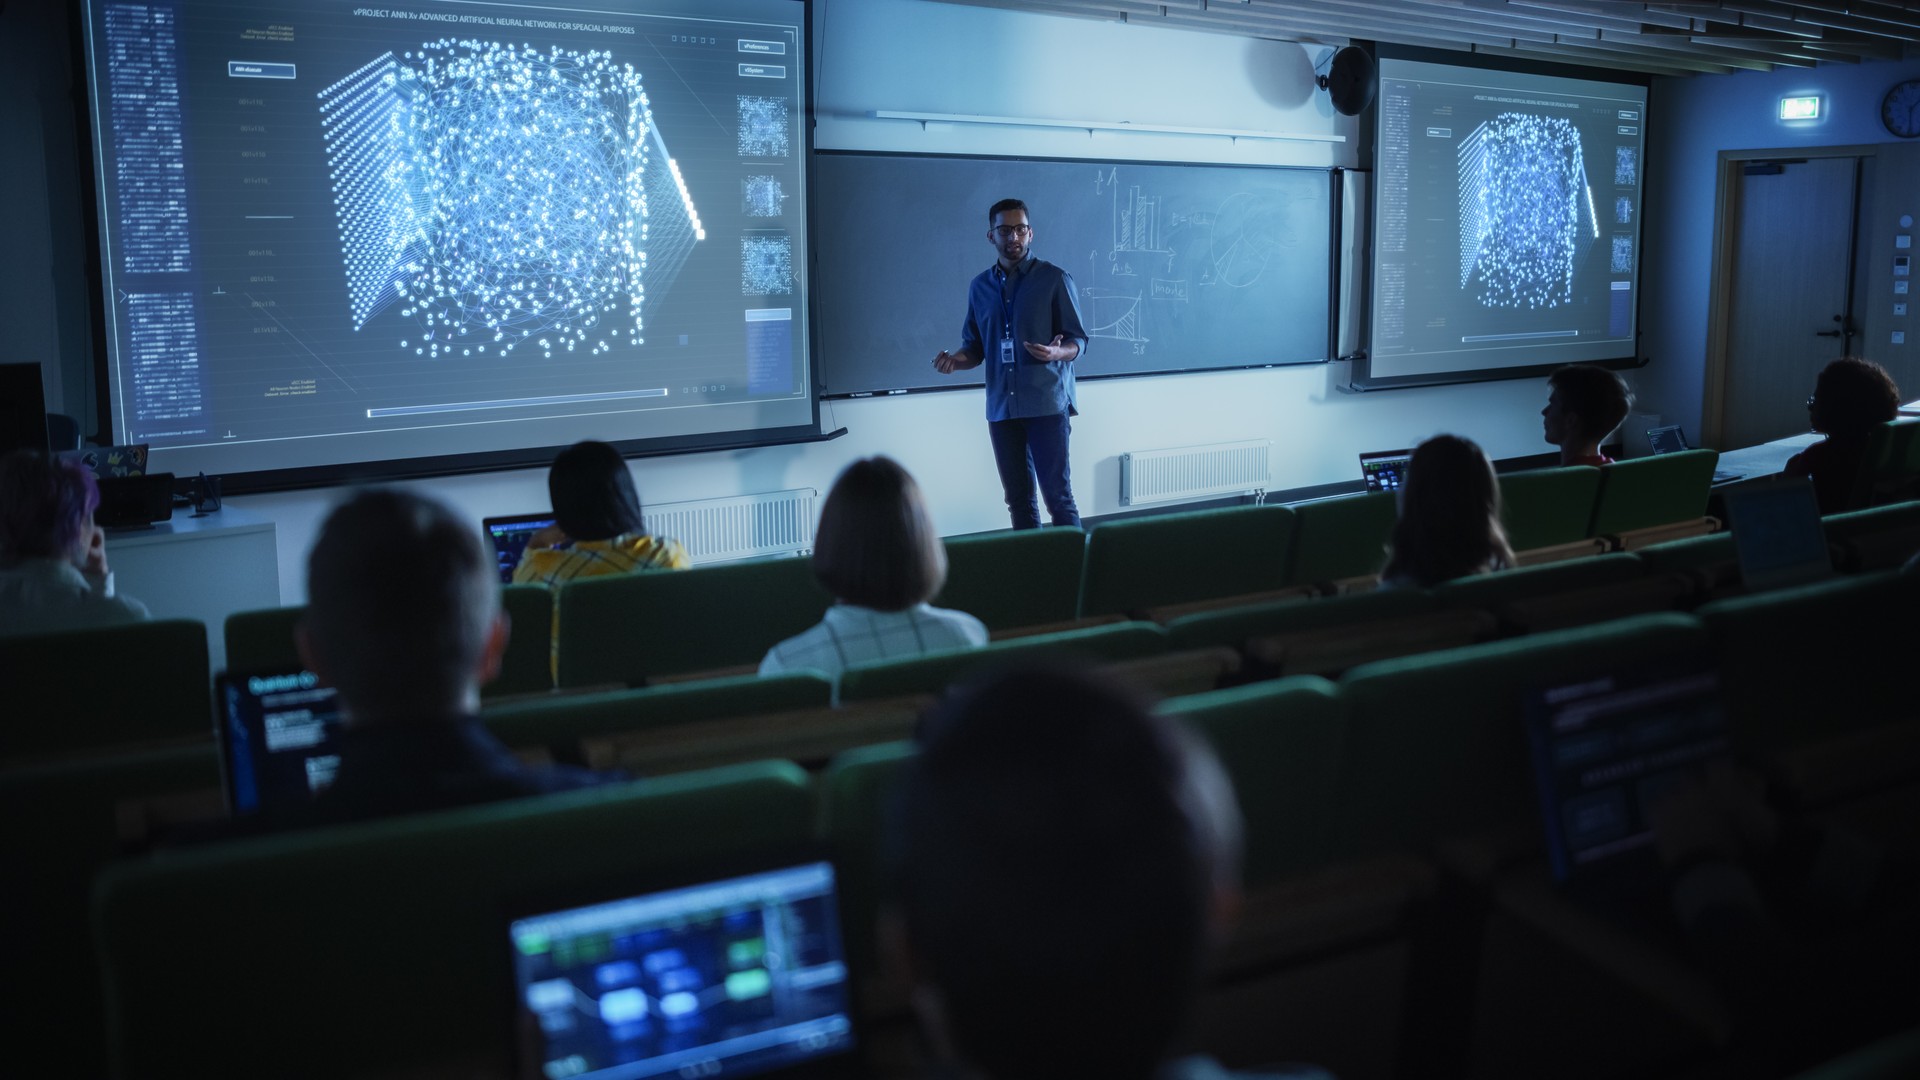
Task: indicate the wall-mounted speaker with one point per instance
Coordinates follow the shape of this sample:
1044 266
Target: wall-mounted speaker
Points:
1350 81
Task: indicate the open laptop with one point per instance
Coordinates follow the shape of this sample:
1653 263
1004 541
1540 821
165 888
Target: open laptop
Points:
1672 439
1605 747
1778 535
276 734
739 973
1385 470
509 536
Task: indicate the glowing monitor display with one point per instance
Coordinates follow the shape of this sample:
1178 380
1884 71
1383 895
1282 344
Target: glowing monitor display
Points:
1506 231
334 235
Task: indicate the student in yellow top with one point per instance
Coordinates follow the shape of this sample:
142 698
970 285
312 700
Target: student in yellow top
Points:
596 528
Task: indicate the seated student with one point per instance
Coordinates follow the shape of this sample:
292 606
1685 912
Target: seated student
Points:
1062 861
1449 523
1850 398
1584 404
53 558
403 617
877 552
597 528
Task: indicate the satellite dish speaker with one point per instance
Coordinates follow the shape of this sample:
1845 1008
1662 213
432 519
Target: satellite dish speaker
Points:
1350 81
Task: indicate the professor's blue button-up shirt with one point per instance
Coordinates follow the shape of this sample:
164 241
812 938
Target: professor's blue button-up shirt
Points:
1037 301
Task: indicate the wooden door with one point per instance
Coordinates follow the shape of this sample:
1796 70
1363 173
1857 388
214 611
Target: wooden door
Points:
1788 306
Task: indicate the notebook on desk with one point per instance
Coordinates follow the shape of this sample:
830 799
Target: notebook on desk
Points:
1385 470
276 734
739 972
1673 438
509 536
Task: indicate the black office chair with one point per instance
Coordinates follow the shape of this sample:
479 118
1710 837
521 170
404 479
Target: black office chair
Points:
63 432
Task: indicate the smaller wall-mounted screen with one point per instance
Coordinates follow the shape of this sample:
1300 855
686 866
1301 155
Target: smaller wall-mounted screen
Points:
1506 222
421 236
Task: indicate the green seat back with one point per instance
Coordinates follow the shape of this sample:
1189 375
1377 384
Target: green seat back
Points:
1176 558
58 827
1006 579
560 722
1490 591
264 641
856 795
1436 743
1280 742
260 641
1651 491
1819 660
1891 468
933 672
629 627
1688 555
330 952
1545 507
1846 526
81 691
1340 538
1234 626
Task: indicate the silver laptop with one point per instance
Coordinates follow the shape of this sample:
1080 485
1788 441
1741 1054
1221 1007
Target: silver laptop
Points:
1672 439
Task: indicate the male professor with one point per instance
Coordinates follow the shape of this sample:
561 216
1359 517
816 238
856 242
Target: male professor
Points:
1023 323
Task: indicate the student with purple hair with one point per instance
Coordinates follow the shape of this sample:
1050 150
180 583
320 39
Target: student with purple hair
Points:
53 558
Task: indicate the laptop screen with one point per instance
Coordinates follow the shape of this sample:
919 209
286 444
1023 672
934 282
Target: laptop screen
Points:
276 735
1385 470
1605 748
1778 535
732 977
509 536
1667 440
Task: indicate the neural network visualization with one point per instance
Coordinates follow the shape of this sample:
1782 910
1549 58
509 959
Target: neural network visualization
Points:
504 196
1523 185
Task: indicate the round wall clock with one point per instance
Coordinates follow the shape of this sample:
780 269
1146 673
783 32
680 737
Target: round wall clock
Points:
1900 109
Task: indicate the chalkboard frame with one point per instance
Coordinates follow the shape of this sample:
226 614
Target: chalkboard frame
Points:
1335 212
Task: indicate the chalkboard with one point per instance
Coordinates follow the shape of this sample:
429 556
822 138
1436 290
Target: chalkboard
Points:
1179 267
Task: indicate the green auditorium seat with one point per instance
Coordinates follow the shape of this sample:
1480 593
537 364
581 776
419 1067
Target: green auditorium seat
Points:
378 947
1436 745
1890 472
1881 538
1896 1057
1817 661
635 627
1340 538
1712 555
1855 523
1650 491
1548 507
263 641
1280 742
1236 626
1164 559
59 823
59 703
561 722
931 673
855 802
1015 578
1492 591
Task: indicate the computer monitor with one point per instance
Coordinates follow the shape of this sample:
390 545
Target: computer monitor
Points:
277 731
1385 470
740 974
509 536
23 409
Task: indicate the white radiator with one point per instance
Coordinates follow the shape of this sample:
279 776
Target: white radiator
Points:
740 526
1194 472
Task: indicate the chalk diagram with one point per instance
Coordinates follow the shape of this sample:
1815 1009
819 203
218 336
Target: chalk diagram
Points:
1167 252
1523 191
503 196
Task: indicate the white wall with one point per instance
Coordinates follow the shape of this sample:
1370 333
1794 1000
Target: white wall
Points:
919 56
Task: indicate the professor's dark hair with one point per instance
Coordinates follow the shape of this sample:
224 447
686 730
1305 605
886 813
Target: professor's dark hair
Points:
1003 206
1852 395
1595 396
1449 524
401 595
876 545
1056 854
45 503
592 492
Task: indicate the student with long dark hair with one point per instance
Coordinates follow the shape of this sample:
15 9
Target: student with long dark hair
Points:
597 525
1449 524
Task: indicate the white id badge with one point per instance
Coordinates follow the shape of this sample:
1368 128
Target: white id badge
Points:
1006 351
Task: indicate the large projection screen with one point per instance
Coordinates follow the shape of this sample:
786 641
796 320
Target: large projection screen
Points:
342 239
1506 223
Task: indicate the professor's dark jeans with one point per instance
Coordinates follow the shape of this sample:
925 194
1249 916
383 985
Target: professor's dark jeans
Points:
1029 446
